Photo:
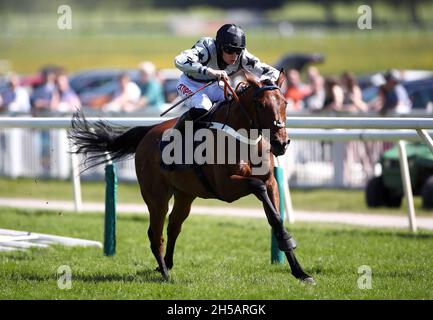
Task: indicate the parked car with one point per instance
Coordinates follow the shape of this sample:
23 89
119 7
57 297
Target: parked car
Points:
30 81
169 79
418 84
387 189
95 87
298 61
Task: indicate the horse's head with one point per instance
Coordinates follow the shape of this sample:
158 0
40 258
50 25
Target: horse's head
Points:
267 108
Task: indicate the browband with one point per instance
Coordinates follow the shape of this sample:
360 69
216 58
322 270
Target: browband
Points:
265 88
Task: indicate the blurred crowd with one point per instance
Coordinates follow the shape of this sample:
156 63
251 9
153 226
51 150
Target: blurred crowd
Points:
343 94
316 94
54 93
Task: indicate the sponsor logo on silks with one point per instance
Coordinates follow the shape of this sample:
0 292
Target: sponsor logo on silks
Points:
183 89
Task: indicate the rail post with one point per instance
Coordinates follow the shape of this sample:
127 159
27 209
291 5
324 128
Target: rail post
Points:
277 256
110 208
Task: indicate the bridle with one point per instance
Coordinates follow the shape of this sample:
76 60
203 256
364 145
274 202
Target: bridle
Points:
278 123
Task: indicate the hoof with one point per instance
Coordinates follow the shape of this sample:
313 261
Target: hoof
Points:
309 281
165 275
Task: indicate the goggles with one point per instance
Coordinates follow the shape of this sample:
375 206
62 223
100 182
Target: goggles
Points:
231 50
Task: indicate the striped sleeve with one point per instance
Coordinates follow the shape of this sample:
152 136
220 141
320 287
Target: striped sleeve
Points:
259 69
193 61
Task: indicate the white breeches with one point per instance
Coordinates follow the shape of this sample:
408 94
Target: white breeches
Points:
203 99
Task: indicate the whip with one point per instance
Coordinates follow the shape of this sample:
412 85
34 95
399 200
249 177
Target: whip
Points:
187 97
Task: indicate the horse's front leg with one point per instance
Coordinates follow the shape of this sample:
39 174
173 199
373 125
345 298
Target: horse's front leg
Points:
286 243
237 186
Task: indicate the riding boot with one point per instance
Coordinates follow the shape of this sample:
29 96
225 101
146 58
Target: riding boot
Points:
180 124
190 115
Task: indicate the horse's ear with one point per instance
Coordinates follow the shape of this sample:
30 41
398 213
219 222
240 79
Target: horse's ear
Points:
281 77
252 80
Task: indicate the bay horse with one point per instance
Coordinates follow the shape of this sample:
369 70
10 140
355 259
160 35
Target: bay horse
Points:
261 105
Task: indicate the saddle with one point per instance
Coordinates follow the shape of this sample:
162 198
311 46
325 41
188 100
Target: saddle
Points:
187 136
186 145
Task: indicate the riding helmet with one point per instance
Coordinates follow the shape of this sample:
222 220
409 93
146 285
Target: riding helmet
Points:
230 35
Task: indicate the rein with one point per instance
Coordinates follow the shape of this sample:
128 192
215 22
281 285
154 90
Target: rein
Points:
236 98
256 94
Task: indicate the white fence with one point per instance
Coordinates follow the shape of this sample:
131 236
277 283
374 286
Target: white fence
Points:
316 158
45 153
49 148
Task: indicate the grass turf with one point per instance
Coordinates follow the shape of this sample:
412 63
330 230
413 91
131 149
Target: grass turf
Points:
357 51
215 258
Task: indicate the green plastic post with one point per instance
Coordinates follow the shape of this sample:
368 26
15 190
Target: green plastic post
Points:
110 210
277 256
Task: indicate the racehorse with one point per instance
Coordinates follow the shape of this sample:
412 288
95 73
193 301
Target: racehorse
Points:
260 105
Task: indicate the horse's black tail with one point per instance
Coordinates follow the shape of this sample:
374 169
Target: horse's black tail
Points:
99 139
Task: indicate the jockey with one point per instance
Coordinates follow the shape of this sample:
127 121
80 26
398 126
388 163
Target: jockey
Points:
211 59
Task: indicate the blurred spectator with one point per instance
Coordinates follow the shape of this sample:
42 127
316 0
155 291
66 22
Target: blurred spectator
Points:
393 97
126 97
152 94
352 94
64 98
42 96
42 102
315 100
296 91
15 98
334 95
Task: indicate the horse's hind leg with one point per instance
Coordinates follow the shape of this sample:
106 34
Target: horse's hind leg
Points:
157 217
156 193
181 209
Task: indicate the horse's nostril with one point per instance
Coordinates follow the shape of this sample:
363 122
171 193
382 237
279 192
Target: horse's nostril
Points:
279 148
